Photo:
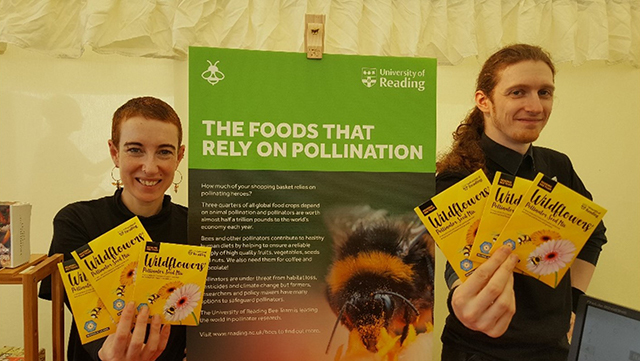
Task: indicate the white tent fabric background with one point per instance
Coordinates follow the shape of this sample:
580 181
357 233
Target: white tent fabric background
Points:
449 30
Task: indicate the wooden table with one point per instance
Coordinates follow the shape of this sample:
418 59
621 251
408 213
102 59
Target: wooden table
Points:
29 275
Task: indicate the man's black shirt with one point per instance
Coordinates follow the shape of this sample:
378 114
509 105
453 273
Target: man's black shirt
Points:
539 327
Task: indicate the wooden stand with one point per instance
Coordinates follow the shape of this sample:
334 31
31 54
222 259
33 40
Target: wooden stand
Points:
29 275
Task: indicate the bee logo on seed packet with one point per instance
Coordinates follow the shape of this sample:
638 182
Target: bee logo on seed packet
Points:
89 313
505 195
452 218
171 280
549 227
110 263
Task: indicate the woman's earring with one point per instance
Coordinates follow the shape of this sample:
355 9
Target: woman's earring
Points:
177 184
116 182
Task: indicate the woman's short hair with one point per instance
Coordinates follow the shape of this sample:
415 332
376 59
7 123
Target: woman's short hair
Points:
146 107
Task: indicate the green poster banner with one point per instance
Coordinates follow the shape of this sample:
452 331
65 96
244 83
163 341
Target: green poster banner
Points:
303 176
257 110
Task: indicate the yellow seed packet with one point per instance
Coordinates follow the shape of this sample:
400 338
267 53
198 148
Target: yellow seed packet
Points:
506 193
171 281
549 228
91 318
110 262
452 218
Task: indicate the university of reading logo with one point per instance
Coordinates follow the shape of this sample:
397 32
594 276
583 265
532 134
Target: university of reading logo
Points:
391 78
213 75
369 77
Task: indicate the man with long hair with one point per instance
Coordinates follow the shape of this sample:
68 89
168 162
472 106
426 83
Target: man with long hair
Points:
497 314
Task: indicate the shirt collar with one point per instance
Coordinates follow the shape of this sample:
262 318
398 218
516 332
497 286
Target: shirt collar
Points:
507 158
164 212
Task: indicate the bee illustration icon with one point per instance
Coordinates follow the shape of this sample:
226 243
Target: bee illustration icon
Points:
171 310
471 236
524 239
213 75
535 260
95 312
153 298
466 250
120 290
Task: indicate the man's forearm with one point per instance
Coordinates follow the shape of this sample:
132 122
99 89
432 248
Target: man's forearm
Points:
581 273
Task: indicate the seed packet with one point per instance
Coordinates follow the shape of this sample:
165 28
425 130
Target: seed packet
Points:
89 313
171 279
452 218
506 193
549 228
110 262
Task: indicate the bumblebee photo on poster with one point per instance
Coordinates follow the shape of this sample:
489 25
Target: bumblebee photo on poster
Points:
380 282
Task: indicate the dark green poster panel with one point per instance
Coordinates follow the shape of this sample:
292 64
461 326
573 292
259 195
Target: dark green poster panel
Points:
303 176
